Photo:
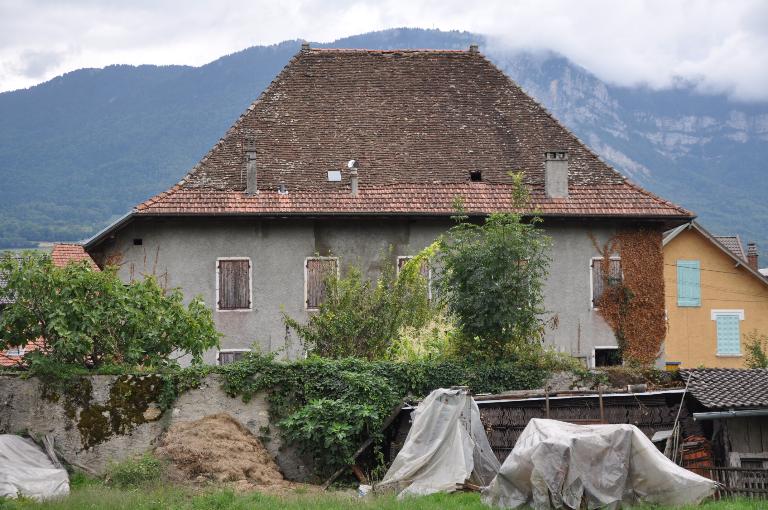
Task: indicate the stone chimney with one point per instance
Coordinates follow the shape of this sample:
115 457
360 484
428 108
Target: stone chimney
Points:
474 48
250 171
752 256
556 174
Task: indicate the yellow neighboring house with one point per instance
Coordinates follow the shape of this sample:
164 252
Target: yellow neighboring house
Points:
714 297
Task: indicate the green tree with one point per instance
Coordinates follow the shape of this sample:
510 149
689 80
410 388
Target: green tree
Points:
756 345
362 318
491 280
91 318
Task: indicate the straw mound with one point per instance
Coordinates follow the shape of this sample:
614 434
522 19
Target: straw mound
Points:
218 448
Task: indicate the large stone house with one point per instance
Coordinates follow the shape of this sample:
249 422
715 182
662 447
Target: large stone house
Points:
358 157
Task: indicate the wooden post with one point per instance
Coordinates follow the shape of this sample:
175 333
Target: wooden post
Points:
602 408
546 401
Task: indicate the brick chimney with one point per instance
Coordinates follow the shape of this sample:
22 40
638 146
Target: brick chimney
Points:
250 171
556 174
752 256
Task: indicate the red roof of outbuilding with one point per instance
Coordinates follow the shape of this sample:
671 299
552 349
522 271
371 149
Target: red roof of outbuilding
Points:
64 253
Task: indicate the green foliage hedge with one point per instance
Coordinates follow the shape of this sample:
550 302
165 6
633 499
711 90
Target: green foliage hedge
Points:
329 407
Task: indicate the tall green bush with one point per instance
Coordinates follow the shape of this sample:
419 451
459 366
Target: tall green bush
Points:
87 318
492 280
362 318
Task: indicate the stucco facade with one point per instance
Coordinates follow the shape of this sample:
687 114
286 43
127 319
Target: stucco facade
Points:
184 251
725 285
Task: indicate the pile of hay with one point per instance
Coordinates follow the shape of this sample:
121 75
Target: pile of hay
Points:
218 448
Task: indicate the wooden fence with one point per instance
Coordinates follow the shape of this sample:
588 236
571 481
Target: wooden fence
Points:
737 482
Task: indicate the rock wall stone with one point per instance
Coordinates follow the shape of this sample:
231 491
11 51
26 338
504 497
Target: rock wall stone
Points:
101 419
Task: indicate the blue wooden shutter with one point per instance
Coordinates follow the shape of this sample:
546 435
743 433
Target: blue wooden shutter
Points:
688 283
728 334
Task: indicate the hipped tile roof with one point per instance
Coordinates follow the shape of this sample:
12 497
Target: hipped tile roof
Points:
418 122
728 388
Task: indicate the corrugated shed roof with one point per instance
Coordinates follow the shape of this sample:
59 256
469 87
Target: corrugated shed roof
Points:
418 122
728 388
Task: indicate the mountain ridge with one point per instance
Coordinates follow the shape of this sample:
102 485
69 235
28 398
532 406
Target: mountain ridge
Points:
85 147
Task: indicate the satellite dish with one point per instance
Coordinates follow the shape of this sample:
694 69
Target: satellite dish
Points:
352 164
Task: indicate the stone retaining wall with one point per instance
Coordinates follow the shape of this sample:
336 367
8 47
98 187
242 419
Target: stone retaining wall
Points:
101 419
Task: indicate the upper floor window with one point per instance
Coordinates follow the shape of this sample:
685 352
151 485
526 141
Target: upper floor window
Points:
316 273
233 284
600 281
688 283
728 326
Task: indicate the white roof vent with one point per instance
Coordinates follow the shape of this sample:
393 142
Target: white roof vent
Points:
334 175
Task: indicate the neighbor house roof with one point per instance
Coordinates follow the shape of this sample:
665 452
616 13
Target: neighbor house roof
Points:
417 122
728 388
672 234
733 243
64 253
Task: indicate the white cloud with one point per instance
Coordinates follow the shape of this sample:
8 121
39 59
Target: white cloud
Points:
720 46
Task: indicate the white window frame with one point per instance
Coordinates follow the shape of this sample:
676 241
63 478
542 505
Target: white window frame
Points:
713 314
591 279
306 279
218 353
429 273
250 286
593 358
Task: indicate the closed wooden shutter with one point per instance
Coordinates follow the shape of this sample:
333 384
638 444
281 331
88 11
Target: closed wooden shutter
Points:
688 283
234 284
318 270
599 283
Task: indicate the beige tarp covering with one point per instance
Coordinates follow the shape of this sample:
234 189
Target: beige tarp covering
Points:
446 446
25 470
556 464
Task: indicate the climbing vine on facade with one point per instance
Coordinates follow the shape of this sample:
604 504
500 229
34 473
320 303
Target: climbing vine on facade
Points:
634 306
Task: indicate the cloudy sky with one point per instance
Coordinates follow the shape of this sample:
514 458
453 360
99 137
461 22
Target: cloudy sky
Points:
721 46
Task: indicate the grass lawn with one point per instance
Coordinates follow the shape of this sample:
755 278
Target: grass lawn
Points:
97 496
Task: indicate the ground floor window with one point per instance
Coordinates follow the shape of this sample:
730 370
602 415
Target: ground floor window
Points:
227 356
607 357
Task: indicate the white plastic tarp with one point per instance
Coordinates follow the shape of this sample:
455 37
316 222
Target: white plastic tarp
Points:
27 471
556 465
446 446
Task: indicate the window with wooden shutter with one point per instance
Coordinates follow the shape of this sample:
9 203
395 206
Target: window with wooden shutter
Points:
425 271
317 271
234 284
688 283
599 282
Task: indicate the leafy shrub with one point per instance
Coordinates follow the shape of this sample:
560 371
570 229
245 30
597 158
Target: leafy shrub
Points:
136 472
330 406
90 319
362 318
492 280
756 347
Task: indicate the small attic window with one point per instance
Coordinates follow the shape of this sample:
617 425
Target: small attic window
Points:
475 176
334 175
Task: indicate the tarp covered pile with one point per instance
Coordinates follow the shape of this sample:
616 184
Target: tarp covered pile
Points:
26 471
445 447
557 465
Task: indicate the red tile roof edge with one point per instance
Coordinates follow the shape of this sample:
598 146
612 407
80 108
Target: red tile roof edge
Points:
64 253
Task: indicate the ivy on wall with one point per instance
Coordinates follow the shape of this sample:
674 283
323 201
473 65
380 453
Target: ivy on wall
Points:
634 307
